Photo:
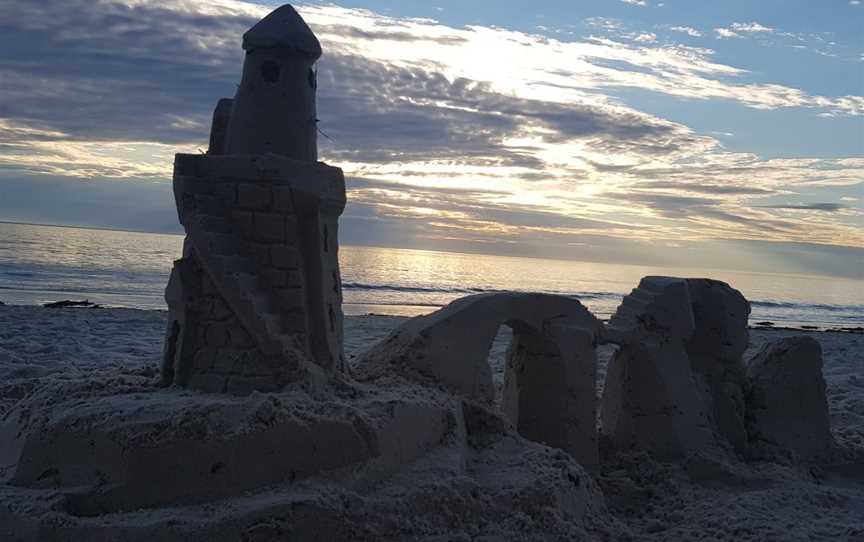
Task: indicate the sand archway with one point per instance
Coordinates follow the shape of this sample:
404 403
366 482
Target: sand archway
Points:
549 390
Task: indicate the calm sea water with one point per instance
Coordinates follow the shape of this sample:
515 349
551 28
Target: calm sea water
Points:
45 263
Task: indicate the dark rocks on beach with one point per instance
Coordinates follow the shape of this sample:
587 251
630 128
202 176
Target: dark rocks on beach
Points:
766 324
66 303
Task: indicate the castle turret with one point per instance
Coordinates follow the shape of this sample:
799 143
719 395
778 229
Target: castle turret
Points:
274 109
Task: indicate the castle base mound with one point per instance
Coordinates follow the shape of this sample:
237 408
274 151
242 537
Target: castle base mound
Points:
123 459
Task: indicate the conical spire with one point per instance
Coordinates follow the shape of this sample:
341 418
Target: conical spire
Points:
283 29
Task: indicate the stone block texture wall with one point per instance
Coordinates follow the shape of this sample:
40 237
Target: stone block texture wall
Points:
256 302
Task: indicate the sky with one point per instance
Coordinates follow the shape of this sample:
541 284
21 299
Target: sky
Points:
711 134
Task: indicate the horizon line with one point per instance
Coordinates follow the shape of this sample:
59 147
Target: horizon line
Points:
528 256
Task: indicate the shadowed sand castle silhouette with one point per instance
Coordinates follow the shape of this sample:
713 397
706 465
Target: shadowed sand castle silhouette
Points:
255 302
257 430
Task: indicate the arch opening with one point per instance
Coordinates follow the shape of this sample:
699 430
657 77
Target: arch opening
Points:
497 360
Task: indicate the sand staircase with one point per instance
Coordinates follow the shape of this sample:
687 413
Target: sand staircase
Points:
230 265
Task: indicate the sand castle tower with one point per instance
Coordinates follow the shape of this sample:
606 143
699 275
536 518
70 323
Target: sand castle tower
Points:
255 301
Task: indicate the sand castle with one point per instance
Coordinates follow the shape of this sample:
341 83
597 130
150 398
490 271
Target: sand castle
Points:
255 302
418 430
677 384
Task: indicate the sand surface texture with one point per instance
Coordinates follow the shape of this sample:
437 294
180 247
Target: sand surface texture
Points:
701 499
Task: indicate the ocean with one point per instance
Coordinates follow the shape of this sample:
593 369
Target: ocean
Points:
40 264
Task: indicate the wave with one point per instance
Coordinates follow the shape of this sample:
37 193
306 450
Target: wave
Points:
395 288
393 304
611 296
468 291
19 273
808 306
73 289
142 285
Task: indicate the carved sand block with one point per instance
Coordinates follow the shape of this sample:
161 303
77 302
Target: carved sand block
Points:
551 368
787 401
716 351
550 386
651 400
680 367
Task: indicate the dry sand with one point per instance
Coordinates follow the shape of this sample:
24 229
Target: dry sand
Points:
704 499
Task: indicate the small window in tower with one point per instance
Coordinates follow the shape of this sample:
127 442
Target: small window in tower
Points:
270 71
313 79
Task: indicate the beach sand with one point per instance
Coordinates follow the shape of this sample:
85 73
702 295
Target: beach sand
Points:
648 500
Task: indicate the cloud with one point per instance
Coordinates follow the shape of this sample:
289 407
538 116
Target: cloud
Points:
121 64
689 30
604 23
818 43
376 113
828 207
708 188
726 33
385 34
47 151
645 37
96 70
439 138
737 29
640 3
752 27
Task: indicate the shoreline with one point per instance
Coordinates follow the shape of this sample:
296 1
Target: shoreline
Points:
409 311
